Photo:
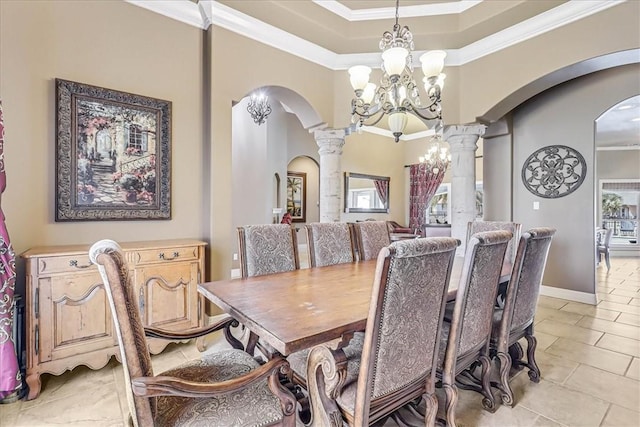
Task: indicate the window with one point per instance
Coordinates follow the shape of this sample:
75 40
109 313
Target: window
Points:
619 202
137 143
439 210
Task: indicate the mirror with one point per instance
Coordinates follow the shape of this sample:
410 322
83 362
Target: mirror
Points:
366 193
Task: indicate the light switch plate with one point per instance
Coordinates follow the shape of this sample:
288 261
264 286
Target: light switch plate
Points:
536 206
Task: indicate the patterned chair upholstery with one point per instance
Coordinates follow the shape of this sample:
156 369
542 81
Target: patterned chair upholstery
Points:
330 243
371 237
267 249
466 339
513 227
224 388
603 247
395 361
516 319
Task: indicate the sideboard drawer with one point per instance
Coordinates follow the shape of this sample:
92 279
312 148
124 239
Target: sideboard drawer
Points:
148 256
65 264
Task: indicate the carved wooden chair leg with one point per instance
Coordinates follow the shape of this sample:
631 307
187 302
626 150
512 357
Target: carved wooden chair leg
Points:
410 415
431 403
516 353
534 371
489 401
451 399
504 361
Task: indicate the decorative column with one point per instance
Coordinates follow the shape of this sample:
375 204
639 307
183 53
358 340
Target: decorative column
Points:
462 141
330 142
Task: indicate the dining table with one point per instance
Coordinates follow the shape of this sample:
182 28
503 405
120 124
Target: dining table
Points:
300 309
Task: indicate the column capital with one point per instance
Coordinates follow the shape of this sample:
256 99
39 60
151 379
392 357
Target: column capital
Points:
463 137
330 141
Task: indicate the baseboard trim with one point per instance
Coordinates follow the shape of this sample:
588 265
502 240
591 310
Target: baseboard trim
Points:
568 294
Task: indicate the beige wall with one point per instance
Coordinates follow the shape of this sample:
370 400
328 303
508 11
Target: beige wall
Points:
110 44
116 45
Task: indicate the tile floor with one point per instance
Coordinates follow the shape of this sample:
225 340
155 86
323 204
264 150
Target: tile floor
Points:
589 357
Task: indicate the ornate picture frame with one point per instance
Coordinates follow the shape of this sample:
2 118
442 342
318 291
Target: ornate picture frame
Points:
296 196
113 154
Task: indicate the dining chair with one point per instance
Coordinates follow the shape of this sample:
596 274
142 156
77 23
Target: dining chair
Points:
465 341
394 362
371 237
330 243
224 388
603 247
514 227
267 249
516 319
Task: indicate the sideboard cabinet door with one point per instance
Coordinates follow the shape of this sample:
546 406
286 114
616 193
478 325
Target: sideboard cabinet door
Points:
68 318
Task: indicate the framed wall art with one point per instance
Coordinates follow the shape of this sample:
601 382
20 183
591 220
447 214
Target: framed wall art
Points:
113 154
296 195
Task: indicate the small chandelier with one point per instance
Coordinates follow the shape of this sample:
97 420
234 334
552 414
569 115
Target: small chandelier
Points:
259 108
398 93
437 157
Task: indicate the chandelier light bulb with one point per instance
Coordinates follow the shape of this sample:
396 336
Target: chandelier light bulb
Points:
395 60
368 93
359 77
433 62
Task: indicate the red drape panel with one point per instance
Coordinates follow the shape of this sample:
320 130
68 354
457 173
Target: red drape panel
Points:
382 187
423 184
9 372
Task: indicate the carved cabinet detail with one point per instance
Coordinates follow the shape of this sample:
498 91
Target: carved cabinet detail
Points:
68 316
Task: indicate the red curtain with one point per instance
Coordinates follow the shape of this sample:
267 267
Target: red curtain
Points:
10 379
382 187
423 184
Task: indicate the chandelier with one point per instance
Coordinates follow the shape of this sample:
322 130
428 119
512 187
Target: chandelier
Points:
437 157
398 92
259 108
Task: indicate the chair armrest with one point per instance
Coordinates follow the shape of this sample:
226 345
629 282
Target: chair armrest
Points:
172 386
326 375
225 321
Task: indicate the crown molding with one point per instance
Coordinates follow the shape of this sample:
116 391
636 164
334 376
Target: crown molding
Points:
404 137
225 17
434 9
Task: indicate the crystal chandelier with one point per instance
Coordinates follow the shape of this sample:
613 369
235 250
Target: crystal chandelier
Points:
398 93
259 108
437 157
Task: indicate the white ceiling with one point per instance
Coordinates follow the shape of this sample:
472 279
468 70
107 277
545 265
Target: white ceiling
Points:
340 33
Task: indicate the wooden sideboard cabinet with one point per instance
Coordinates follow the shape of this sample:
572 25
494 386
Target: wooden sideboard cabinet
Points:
68 320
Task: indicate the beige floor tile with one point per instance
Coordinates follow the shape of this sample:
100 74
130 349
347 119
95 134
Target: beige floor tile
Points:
169 359
554 368
558 403
621 417
544 340
613 298
576 333
629 319
634 370
96 407
590 355
591 310
620 344
545 422
623 292
623 308
551 302
469 413
621 390
614 328
543 313
634 301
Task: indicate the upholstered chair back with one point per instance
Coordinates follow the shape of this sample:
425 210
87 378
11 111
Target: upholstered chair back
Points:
473 311
405 317
136 360
267 249
330 243
371 237
513 227
526 277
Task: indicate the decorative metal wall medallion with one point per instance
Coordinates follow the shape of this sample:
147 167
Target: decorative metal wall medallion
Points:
554 171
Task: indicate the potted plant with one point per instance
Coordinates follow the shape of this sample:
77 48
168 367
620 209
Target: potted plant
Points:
132 184
86 194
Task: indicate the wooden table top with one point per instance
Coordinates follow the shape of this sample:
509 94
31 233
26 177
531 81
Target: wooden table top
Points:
300 309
